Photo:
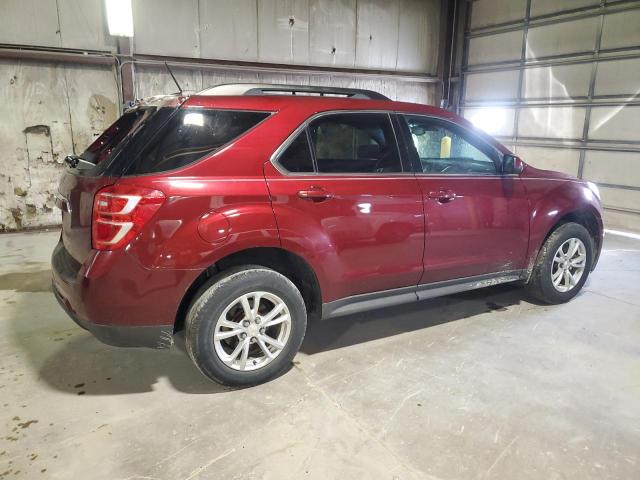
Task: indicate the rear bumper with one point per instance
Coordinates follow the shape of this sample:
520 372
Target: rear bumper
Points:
118 300
150 336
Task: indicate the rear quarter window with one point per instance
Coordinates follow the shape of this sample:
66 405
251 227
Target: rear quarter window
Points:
192 134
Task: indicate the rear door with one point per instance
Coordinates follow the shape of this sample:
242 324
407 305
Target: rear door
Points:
344 200
476 220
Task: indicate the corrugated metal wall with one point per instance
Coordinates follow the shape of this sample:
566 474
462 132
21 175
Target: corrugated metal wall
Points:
369 34
558 81
400 36
50 108
153 80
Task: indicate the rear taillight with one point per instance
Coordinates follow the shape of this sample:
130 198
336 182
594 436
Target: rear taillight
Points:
120 212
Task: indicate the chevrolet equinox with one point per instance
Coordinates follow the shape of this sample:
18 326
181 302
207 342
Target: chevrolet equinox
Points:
238 213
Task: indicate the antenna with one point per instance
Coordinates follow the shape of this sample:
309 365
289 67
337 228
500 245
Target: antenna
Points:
174 77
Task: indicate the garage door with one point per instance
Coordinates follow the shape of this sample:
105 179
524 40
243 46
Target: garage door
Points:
558 82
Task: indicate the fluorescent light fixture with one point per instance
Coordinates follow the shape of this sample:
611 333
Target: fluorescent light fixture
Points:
492 120
120 18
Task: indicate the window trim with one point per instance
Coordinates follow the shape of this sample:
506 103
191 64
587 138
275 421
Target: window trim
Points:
270 114
418 171
290 141
304 126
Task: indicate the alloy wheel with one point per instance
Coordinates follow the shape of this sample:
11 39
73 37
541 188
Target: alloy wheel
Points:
568 264
252 331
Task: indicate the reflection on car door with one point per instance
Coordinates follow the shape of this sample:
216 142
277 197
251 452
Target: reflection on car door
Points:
476 220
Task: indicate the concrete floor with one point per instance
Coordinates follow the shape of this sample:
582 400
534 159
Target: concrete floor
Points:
478 385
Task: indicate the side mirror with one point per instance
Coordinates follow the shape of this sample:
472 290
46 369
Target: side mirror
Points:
512 165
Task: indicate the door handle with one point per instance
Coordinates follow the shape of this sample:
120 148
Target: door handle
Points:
315 194
442 196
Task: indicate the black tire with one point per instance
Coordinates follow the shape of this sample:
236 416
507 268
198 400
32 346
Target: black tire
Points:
211 301
540 285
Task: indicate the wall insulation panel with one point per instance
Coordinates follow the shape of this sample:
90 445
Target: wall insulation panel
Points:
156 80
397 35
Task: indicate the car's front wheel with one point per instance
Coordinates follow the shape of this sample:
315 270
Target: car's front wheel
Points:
245 326
562 265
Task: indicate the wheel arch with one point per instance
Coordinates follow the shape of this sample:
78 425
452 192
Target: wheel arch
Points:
283 261
586 216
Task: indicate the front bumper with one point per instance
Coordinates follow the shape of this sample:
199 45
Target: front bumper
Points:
118 300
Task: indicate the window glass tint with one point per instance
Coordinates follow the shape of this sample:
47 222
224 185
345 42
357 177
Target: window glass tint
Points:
111 138
191 134
444 149
354 143
297 156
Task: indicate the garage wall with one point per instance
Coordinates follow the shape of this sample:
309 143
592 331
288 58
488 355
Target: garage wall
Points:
77 24
53 102
370 34
558 82
151 80
392 36
47 111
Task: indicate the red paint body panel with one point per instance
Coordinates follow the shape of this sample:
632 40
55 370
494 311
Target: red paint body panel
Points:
76 224
374 232
553 195
484 229
113 288
368 236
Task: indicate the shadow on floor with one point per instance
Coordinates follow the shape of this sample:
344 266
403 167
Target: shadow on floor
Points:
81 365
367 326
84 366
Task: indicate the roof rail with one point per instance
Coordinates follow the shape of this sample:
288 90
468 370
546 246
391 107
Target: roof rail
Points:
274 89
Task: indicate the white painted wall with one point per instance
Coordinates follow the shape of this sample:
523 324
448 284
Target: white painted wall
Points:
78 24
397 35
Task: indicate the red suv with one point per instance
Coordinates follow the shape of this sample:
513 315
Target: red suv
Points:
238 213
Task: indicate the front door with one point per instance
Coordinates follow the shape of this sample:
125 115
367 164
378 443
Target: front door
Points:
344 201
476 220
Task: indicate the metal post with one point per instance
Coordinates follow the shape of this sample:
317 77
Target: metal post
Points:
127 73
592 85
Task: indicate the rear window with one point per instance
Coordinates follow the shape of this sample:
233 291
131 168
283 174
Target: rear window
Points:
113 136
192 134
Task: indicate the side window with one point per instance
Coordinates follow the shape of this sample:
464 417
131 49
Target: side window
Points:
193 133
442 149
354 143
297 157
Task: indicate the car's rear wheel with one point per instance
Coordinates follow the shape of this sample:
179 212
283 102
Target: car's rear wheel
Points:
563 264
245 326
